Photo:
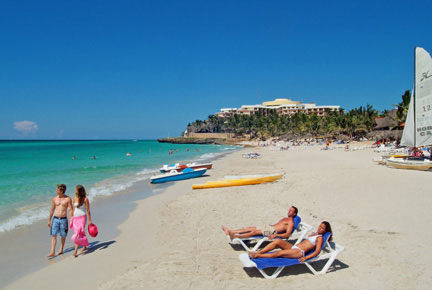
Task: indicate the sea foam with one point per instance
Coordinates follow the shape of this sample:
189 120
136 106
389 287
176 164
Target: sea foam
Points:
37 169
36 212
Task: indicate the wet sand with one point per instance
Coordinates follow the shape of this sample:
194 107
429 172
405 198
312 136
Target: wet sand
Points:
24 249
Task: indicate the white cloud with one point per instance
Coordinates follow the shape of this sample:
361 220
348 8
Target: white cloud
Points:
25 126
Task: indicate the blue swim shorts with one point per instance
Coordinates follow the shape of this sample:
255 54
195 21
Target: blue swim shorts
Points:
59 226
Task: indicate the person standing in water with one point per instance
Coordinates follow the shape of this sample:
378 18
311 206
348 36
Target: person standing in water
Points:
59 224
81 210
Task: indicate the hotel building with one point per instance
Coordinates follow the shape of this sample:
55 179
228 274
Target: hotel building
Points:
280 107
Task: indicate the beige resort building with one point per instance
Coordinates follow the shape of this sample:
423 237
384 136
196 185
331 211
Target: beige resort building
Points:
280 106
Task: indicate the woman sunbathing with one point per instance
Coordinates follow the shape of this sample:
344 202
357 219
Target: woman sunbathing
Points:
313 242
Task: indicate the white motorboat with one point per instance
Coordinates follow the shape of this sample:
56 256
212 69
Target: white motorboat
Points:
180 167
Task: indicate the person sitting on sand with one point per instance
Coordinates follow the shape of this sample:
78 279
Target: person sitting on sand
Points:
288 250
282 229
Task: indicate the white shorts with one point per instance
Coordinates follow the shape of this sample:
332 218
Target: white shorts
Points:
267 230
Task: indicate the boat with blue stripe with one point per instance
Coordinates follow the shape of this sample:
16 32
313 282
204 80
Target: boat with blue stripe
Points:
173 175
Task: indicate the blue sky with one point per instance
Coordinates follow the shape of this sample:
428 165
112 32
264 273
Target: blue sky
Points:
145 69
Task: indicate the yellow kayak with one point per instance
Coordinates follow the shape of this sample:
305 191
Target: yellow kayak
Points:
238 181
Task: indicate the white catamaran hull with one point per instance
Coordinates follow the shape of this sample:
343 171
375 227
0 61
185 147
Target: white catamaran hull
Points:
380 160
401 163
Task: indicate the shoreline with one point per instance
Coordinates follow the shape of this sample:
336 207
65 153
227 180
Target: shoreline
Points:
173 240
109 212
99 264
26 194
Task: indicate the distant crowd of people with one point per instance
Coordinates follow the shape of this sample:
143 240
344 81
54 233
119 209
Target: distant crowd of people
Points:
412 151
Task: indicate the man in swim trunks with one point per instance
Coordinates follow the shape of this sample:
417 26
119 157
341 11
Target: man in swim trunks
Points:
59 224
282 229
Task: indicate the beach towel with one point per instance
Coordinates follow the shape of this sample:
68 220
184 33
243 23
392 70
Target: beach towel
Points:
77 224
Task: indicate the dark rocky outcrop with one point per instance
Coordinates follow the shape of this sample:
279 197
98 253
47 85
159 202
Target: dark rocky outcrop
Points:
189 140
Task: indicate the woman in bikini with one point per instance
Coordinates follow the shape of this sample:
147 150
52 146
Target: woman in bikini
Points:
313 242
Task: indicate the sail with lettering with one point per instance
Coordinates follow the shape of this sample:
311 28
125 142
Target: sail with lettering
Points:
418 125
423 98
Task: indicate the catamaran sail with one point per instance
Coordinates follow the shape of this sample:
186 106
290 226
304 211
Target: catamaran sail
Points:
418 125
408 132
423 98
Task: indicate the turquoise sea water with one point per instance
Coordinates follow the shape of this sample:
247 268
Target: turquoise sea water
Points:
30 170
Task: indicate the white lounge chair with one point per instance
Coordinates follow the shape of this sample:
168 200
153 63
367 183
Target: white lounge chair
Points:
251 155
300 231
329 251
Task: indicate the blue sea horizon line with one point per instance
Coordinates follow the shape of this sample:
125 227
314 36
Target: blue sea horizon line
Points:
33 140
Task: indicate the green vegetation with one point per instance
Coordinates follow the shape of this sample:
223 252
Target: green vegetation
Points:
354 123
402 110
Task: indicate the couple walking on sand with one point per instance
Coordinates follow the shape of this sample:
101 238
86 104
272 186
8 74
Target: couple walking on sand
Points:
79 209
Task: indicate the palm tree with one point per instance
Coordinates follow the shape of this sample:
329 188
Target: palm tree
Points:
313 124
402 110
384 113
369 113
357 121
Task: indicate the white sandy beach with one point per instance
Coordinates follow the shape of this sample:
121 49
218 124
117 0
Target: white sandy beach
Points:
173 240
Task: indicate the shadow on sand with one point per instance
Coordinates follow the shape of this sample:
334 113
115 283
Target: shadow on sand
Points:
96 245
299 269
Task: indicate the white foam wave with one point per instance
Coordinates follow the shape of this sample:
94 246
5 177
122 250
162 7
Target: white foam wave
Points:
231 148
208 156
110 186
147 172
27 217
116 184
214 155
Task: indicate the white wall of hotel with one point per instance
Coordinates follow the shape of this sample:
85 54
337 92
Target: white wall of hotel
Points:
286 109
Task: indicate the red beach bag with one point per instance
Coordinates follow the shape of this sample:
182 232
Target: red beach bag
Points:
93 230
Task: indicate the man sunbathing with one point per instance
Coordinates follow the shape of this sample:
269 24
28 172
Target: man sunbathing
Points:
282 229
